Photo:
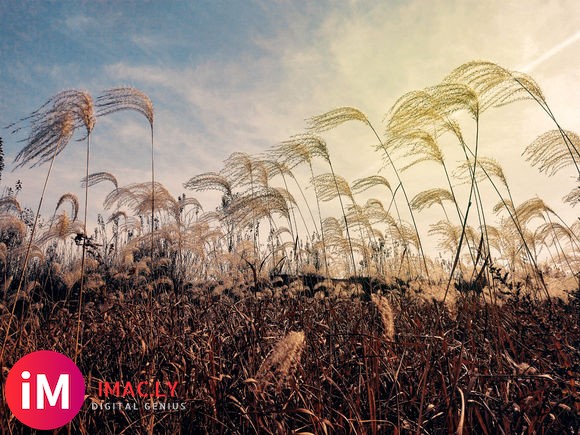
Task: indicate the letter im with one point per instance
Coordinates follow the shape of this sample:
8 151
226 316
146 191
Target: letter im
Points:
62 390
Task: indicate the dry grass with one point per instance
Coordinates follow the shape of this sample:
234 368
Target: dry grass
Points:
341 372
271 326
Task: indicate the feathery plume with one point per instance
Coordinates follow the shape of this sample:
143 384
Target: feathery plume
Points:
494 85
418 145
139 198
449 235
375 211
550 152
47 139
8 203
282 361
72 198
242 169
334 118
387 316
99 177
125 98
209 181
489 167
53 125
420 110
362 184
293 152
532 208
429 197
245 209
573 197
329 186
60 228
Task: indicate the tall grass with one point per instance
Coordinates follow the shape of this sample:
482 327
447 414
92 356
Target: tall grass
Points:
269 328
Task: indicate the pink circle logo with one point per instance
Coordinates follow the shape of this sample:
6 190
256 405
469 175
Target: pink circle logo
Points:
45 390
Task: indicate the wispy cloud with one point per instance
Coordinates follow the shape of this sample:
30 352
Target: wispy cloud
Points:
79 22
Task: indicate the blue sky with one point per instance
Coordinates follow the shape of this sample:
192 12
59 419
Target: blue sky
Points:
51 44
230 76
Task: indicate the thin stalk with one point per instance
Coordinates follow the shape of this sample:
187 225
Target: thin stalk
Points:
483 226
153 272
559 245
152 204
479 201
464 225
309 210
520 232
459 214
321 226
84 251
344 217
27 255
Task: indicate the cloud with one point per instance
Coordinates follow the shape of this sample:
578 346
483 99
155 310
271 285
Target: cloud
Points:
79 23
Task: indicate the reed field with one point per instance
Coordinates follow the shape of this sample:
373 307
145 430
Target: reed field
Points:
305 302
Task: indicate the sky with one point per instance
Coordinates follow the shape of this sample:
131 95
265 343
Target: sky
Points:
228 76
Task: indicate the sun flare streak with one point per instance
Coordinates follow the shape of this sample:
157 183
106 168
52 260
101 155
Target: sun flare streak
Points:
551 52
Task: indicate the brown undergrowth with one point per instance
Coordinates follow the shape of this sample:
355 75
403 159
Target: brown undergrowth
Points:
490 369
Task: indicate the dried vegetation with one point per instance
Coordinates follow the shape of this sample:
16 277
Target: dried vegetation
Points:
276 314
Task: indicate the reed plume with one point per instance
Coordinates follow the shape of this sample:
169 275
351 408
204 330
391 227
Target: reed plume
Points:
334 118
125 98
99 177
74 202
387 316
334 231
450 234
429 197
246 209
282 361
139 198
419 111
494 85
573 197
51 127
497 86
210 181
489 167
61 227
375 210
417 145
365 183
10 203
550 154
329 186
243 170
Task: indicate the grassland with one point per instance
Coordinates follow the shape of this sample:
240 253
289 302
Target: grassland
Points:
306 303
